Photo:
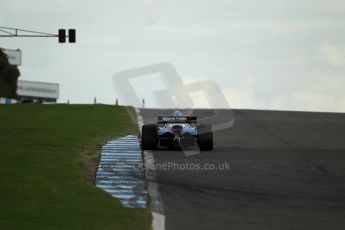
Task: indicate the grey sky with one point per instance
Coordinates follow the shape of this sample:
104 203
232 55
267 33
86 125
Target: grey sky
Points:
264 54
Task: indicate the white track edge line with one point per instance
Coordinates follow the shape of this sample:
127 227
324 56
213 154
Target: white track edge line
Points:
156 204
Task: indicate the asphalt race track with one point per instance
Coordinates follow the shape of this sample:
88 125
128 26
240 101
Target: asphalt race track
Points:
287 172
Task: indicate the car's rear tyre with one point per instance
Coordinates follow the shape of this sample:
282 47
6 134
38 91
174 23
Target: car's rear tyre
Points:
149 137
205 137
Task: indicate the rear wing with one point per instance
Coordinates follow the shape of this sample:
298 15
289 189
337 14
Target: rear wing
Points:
177 119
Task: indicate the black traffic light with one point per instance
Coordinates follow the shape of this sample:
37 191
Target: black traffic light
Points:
71 35
62 35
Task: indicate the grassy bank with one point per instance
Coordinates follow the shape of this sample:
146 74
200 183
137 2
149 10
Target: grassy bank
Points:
45 152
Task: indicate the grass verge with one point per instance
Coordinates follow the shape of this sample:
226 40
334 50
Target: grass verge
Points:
45 153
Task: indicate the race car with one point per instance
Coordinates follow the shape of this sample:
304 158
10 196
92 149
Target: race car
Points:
176 131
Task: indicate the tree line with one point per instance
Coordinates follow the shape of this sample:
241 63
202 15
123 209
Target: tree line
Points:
9 75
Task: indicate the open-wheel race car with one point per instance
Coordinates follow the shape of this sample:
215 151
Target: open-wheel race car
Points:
176 131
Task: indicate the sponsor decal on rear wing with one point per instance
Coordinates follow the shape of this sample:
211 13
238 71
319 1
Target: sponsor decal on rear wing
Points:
176 119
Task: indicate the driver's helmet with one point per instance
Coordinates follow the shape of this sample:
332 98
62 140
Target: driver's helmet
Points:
177 113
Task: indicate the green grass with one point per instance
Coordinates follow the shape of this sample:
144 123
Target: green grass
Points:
44 154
